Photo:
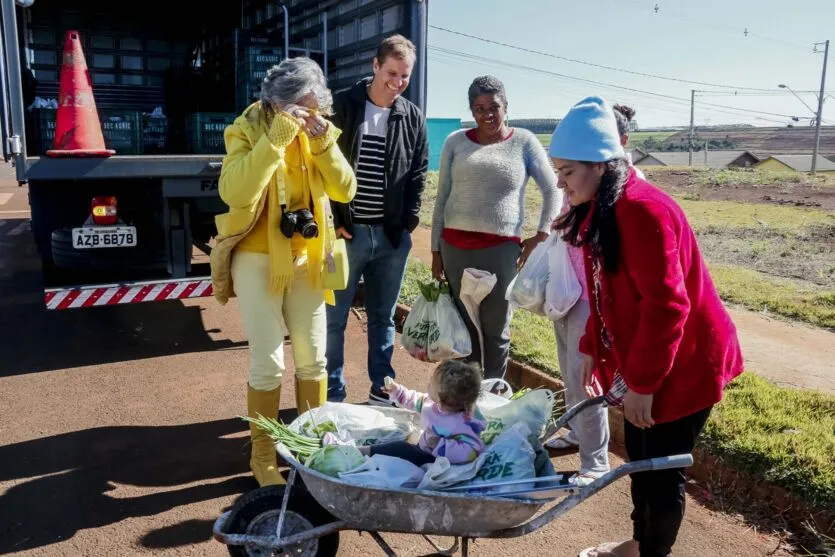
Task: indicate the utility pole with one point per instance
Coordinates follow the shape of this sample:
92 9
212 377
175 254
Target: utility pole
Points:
692 125
820 110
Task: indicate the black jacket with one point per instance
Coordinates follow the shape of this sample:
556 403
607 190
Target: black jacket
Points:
406 159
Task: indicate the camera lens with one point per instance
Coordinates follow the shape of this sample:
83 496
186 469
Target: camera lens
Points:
309 230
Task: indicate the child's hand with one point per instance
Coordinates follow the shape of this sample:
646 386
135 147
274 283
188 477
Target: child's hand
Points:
389 385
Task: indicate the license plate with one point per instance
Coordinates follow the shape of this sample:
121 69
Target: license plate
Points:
94 237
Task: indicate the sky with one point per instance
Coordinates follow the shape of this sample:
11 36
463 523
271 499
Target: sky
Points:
700 41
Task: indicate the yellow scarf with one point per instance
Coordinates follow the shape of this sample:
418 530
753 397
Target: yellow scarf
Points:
282 264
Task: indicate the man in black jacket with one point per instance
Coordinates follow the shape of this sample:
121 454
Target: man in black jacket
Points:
384 138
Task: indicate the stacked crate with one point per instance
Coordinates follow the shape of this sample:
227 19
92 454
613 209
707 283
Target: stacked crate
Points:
121 129
154 134
204 132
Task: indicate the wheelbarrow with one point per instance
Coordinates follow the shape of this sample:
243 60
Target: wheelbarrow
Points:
304 517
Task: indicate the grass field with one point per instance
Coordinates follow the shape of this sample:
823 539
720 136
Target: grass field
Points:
637 139
784 436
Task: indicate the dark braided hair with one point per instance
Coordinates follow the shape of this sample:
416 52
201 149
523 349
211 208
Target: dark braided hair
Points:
603 235
623 115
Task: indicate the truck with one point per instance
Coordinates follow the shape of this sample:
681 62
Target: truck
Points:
138 226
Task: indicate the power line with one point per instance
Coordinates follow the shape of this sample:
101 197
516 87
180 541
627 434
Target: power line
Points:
657 96
602 84
592 64
679 103
736 31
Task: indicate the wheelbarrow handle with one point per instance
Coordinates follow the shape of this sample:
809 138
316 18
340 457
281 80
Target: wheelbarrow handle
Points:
560 422
669 462
568 503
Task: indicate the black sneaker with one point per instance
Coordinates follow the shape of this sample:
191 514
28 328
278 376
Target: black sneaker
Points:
379 398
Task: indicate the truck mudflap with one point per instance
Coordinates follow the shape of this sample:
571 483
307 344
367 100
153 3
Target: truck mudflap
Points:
128 293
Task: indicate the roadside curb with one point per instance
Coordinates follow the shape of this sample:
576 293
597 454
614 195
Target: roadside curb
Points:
708 469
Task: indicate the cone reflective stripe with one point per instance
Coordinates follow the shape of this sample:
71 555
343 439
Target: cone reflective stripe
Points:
77 127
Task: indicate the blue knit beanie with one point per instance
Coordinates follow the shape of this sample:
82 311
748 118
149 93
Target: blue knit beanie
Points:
588 133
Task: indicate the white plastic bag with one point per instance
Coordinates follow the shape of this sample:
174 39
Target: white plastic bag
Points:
476 284
489 399
510 457
534 409
527 289
351 425
385 471
563 288
434 330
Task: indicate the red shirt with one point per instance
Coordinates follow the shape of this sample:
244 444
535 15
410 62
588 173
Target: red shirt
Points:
670 334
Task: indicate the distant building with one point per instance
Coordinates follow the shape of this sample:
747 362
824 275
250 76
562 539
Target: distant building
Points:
636 154
797 163
702 159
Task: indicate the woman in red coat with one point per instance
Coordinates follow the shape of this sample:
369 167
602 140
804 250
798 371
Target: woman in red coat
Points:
656 318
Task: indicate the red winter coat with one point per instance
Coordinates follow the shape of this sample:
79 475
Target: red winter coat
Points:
670 333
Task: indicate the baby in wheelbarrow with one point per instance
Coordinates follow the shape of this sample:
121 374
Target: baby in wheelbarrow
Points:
451 421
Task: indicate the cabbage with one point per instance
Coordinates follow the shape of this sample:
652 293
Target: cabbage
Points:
333 459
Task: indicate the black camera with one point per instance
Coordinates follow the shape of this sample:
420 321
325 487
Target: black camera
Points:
301 221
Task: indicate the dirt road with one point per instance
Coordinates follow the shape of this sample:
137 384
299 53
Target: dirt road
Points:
119 433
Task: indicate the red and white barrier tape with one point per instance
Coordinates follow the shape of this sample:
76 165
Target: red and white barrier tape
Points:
109 295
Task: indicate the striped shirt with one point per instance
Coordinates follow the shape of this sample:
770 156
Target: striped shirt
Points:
369 202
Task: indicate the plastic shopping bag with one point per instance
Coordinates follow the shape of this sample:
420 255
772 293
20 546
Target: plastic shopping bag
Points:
563 288
534 409
527 289
490 399
434 330
510 457
351 424
384 471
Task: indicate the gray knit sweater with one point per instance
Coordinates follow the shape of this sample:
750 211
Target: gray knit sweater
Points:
481 188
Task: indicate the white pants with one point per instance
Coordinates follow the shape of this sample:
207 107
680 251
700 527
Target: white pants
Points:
592 425
303 310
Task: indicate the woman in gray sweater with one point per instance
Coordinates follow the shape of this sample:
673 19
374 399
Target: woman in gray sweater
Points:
480 210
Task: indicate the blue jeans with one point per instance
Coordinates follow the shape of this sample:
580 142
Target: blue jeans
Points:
371 256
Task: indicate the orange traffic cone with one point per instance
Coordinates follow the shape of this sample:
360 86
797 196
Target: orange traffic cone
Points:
77 126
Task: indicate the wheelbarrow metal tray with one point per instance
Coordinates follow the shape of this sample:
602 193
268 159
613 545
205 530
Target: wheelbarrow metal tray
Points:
412 511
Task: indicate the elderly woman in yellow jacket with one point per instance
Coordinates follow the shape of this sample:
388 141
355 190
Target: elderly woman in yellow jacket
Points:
282 168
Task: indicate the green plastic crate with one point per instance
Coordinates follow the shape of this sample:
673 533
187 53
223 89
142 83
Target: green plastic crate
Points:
204 131
120 128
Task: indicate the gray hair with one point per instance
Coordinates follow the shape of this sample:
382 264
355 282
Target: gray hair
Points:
487 85
291 80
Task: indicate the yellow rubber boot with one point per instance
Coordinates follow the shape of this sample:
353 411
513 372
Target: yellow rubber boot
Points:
263 459
311 393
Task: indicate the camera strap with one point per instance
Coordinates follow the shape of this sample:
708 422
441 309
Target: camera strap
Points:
282 187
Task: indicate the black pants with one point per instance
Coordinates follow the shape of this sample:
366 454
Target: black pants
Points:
404 450
658 496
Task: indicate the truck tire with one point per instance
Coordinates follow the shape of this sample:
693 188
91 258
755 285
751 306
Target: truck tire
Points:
66 256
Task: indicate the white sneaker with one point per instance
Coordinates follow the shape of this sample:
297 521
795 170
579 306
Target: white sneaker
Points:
583 479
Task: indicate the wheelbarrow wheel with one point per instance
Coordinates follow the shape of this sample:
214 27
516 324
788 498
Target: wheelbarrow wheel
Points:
257 512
